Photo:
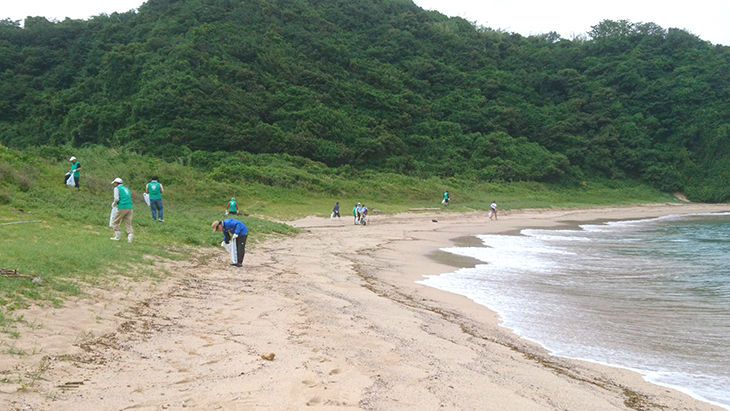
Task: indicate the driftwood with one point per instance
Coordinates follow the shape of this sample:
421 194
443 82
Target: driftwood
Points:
13 274
4 272
72 384
424 209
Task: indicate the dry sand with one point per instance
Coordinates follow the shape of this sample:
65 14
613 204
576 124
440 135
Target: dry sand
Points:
338 307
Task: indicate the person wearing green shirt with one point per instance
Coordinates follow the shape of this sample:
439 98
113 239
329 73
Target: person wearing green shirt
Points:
123 203
232 207
356 212
155 190
75 167
446 198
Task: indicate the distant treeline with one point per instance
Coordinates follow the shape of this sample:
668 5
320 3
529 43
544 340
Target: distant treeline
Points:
376 84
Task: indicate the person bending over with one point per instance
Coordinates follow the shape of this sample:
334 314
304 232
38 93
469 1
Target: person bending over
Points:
233 230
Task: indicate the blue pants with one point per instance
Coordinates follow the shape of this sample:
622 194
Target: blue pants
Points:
155 206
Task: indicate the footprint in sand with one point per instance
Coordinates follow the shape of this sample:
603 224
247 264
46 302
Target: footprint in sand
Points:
314 401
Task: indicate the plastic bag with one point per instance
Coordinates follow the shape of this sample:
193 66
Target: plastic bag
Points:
71 181
231 248
146 198
443 201
111 216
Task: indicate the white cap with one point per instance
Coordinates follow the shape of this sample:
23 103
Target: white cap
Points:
117 180
72 158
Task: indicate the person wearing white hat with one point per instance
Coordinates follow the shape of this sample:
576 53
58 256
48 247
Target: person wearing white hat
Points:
75 167
123 203
356 212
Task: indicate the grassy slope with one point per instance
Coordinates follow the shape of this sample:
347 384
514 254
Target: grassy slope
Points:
70 245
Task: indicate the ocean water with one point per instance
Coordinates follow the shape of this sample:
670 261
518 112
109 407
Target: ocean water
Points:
650 295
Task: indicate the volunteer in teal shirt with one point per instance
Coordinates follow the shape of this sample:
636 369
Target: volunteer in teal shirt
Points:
155 190
232 206
123 203
75 167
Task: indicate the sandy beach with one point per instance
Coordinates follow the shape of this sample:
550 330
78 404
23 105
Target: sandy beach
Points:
330 318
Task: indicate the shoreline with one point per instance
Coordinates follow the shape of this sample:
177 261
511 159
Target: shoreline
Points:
568 219
339 308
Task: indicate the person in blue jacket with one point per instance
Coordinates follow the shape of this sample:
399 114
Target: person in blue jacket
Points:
233 230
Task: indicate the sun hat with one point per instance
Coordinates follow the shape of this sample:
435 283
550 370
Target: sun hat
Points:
117 180
215 224
72 158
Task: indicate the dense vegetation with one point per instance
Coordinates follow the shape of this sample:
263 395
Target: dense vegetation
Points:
378 85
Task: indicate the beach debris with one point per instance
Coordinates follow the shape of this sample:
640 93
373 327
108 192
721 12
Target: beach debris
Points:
681 197
22 222
435 221
72 384
269 356
9 273
4 272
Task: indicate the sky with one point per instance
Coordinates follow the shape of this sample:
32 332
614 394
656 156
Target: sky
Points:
708 19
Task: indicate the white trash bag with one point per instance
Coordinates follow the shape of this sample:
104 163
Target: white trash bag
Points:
231 248
71 181
111 216
146 198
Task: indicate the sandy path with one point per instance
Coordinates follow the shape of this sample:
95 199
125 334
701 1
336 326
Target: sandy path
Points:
338 306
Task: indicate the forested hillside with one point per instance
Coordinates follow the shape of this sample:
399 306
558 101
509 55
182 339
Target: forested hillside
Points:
375 84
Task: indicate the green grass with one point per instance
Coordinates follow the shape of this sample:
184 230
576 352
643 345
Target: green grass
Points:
70 247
